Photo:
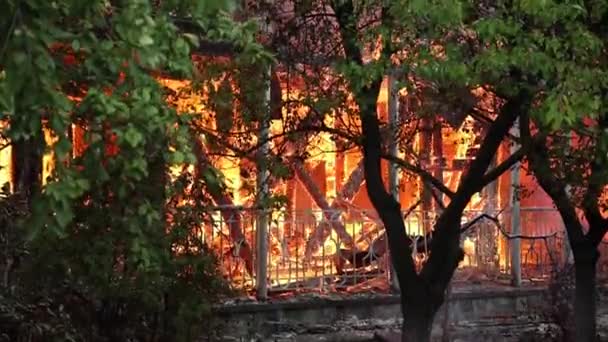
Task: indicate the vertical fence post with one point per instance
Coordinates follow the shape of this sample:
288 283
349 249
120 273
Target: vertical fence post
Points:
393 178
262 177
515 244
489 258
262 254
263 192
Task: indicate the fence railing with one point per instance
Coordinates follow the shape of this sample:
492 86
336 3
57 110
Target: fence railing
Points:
347 250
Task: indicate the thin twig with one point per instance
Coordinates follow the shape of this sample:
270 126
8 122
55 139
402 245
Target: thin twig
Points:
478 218
506 234
411 209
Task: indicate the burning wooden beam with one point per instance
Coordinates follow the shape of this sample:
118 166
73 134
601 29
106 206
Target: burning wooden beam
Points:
347 193
230 214
349 190
377 248
321 201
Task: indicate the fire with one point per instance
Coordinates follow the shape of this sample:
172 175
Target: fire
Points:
287 260
48 159
468 246
5 162
291 228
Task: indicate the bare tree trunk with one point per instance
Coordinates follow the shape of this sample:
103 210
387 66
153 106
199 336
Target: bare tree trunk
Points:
584 246
424 299
585 262
445 326
421 293
418 322
424 292
419 301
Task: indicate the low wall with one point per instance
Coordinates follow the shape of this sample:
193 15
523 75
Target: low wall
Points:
492 313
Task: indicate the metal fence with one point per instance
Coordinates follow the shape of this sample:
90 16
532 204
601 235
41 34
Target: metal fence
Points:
294 259
347 250
542 246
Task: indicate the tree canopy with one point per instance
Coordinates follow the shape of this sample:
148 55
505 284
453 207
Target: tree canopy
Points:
108 237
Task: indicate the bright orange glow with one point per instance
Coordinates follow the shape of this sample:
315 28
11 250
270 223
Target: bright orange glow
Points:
330 170
5 162
48 159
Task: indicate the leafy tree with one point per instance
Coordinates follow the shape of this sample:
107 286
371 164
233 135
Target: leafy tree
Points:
546 58
542 59
538 58
528 54
356 44
108 235
564 134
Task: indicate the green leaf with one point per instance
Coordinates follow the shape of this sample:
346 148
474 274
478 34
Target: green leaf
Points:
100 203
63 147
83 184
178 157
63 218
133 137
191 39
146 40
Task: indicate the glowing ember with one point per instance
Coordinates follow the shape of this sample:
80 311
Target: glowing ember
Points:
5 161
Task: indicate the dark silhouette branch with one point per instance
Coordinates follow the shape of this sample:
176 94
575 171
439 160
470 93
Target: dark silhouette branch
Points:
470 183
438 200
505 165
344 11
598 225
540 163
440 267
480 117
426 176
386 206
502 230
411 209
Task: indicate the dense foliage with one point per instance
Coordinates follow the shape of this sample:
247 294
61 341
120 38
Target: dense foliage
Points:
106 244
109 233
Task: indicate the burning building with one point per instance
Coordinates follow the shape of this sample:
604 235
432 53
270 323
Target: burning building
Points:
326 234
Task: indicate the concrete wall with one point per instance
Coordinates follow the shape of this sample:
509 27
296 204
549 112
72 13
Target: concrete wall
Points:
358 317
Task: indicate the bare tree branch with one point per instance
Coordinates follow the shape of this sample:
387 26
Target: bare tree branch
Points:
470 183
426 176
598 225
503 231
540 163
493 174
